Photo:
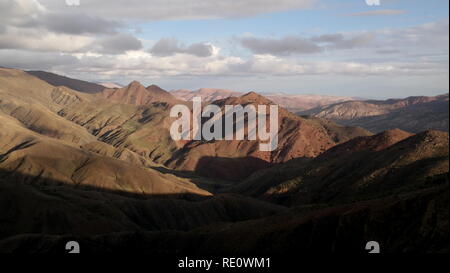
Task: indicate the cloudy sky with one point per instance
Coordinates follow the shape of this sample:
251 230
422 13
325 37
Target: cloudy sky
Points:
397 49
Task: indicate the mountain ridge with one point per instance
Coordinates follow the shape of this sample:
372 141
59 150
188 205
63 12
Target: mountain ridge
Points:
58 80
136 94
414 114
293 103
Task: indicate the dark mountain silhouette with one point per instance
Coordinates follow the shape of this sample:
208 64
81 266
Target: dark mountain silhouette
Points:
412 223
58 80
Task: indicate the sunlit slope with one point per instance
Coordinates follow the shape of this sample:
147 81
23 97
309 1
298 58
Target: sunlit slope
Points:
38 107
29 157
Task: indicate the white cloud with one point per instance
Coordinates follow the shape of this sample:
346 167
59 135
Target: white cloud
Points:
171 46
31 14
142 65
43 40
27 24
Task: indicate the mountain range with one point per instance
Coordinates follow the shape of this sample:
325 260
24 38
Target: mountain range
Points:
293 103
99 166
413 114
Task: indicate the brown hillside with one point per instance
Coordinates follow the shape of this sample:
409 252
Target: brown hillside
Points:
136 94
298 137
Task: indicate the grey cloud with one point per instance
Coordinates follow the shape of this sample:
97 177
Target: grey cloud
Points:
27 24
2 29
339 41
165 47
78 24
328 38
388 51
179 9
14 13
299 45
429 36
10 43
433 35
353 42
380 12
170 46
200 50
117 44
30 14
21 59
44 40
284 46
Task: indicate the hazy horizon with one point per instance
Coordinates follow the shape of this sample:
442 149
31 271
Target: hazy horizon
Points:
147 83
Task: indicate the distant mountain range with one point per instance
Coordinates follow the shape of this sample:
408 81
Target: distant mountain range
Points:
110 85
413 114
100 167
207 94
293 103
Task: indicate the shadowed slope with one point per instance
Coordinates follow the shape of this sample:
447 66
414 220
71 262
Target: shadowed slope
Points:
366 167
415 222
52 207
58 80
